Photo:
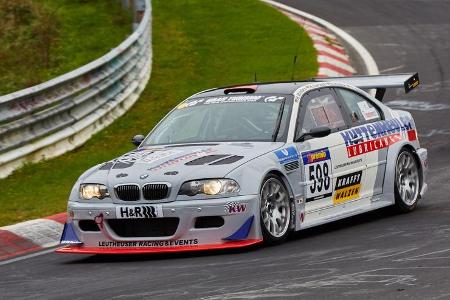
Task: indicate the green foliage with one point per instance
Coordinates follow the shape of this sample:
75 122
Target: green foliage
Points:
42 39
196 45
27 33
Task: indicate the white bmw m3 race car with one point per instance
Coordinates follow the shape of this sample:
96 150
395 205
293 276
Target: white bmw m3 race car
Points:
232 167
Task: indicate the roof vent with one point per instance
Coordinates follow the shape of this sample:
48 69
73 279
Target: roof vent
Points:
249 89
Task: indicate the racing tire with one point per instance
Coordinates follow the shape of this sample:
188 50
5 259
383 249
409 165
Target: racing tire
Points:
406 182
275 210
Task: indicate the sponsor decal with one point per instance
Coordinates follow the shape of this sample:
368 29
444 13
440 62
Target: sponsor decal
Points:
293 214
99 220
373 145
120 175
230 99
273 99
139 211
377 135
318 174
235 207
143 176
300 200
368 112
349 163
307 87
347 187
69 236
114 244
158 155
171 173
286 155
177 160
315 156
142 155
191 103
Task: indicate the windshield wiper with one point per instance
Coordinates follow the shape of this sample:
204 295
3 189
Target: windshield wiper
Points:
280 115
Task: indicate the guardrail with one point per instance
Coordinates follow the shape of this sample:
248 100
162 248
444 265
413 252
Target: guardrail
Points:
58 115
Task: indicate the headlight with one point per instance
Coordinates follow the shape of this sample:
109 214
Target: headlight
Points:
209 187
91 190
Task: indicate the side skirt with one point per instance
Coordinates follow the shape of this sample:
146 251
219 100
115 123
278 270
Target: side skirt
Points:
345 210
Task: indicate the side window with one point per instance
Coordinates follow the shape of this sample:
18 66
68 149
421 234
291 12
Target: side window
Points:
319 108
359 109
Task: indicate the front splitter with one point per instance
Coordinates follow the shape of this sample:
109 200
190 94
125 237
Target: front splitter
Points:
148 250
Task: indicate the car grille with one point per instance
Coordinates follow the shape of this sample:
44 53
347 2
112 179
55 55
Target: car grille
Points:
128 192
155 191
151 191
139 228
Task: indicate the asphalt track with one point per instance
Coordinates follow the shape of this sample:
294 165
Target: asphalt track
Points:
376 255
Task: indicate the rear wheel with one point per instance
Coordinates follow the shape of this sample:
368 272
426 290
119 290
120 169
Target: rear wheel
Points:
407 181
275 210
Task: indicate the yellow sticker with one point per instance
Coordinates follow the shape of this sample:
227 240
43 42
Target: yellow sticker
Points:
346 194
182 105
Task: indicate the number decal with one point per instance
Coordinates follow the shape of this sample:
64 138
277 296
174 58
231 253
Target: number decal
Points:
319 180
317 166
319 177
312 178
327 179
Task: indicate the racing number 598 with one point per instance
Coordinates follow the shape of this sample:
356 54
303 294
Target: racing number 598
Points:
318 173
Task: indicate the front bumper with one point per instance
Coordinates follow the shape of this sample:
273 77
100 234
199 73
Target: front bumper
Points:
240 227
148 250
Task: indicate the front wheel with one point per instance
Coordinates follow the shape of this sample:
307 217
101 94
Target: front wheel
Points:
407 182
275 210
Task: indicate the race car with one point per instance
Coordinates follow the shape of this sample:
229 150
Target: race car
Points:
240 165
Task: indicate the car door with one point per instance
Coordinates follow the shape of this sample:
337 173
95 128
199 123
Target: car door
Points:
330 178
362 114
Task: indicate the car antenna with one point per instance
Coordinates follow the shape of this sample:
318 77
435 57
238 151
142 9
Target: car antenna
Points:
294 62
293 67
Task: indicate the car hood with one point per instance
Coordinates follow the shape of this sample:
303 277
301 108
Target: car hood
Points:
177 164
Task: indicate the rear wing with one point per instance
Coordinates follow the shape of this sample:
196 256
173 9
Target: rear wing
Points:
379 82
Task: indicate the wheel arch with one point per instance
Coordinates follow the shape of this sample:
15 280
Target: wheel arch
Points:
417 159
293 207
285 181
390 168
292 202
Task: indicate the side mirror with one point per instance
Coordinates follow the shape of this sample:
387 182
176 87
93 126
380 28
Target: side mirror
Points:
137 139
320 131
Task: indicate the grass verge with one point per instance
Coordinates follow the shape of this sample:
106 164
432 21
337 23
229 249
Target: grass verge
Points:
42 39
197 45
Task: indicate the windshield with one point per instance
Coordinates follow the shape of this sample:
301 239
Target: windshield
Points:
223 119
